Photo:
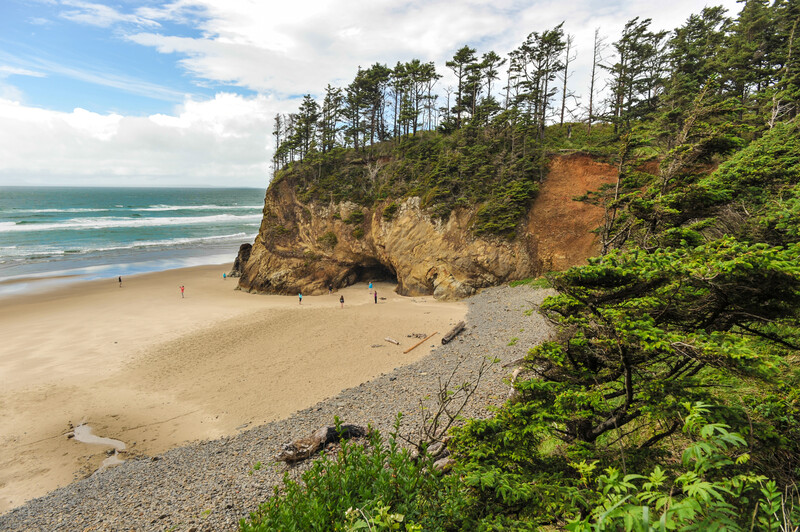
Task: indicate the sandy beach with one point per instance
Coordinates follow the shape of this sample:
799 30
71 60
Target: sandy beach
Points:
142 365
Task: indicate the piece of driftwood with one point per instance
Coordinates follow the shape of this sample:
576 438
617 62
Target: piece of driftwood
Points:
392 340
306 447
421 342
516 362
454 332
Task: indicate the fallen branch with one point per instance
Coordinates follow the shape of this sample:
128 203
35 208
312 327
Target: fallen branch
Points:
392 340
454 332
306 447
420 342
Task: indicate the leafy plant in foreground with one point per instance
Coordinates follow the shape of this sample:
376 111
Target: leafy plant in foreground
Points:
377 481
711 494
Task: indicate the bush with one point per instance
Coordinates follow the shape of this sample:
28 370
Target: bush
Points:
360 481
328 240
503 212
708 495
355 217
390 210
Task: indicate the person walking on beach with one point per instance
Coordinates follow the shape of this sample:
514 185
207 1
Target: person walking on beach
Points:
300 297
120 281
341 301
330 289
376 297
182 288
370 287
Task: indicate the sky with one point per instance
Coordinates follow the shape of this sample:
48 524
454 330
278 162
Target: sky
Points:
184 92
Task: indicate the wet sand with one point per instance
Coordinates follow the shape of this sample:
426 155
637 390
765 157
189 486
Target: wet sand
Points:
142 365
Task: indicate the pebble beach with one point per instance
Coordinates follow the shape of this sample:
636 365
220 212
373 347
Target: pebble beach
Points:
212 485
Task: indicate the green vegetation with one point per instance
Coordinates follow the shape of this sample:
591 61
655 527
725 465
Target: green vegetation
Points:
539 282
328 240
359 484
355 217
668 399
390 210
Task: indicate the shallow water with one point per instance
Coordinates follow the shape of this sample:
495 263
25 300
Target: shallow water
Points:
83 434
94 233
91 233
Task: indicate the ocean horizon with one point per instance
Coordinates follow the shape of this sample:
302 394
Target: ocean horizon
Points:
53 235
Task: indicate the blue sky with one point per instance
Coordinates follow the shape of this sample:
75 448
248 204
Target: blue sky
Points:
90 65
183 92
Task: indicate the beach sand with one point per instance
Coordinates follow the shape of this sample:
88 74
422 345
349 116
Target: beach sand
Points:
142 365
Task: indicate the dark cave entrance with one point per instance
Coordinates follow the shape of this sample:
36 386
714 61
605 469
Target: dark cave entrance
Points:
364 273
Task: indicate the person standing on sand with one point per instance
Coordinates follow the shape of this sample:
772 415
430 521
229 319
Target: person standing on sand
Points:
182 287
300 297
370 287
120 281
376 297
341 301
330 289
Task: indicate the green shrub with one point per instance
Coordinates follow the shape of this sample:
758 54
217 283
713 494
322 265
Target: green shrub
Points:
278 230
503 212
390 210
355 217
709 494
328 240
361 480
358 233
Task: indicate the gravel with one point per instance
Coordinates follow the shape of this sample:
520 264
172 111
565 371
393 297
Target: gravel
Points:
211 485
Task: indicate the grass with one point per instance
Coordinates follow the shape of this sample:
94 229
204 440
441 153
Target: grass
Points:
538 282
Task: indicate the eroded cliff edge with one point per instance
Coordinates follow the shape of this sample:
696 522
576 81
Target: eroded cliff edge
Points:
308 247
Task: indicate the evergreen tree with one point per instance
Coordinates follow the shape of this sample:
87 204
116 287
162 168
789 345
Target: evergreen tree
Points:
463 63
636 75
332 111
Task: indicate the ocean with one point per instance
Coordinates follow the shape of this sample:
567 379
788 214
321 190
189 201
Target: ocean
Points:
50 235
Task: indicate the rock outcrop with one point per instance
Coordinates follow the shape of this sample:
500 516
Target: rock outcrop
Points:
241 259
309 247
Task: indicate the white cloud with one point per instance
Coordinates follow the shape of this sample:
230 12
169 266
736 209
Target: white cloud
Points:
279 50
6 70
39 21
288 48
40 67
223 141
10 92
100 15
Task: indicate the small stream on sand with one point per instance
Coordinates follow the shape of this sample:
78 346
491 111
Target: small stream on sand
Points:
83 434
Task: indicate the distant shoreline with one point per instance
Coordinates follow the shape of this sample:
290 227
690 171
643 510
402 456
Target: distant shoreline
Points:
66 234
37 283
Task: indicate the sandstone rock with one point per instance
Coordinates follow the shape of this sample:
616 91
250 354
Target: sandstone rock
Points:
241 260
308 247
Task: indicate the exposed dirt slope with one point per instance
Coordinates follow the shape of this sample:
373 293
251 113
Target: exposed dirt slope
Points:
560 226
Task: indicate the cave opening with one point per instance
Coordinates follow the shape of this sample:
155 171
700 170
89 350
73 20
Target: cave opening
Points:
373 272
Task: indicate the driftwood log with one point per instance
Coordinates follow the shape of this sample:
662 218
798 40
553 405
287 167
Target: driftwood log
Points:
454 332
421 342
392 340
306 447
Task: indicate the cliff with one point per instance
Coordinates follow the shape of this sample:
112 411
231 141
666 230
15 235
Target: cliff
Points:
307 247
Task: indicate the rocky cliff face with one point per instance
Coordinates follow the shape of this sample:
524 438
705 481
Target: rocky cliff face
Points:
310 247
